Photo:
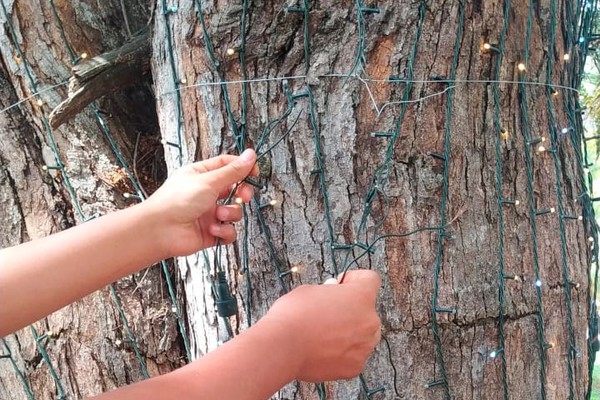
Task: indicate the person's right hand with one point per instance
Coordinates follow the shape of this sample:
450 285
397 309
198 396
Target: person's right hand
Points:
335 326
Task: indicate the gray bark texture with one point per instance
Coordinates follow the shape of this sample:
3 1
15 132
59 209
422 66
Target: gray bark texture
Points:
332 117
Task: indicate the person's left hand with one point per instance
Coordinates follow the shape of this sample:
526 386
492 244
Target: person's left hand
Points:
185 209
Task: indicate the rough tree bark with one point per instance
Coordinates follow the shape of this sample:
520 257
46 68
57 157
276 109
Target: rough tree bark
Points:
88 345
91 353
345 119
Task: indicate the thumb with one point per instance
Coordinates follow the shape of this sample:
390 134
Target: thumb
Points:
234 172
364 277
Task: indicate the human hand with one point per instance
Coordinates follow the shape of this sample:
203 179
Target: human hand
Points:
185 208
334 326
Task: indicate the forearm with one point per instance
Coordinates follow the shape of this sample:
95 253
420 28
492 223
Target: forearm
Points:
41 276
251 367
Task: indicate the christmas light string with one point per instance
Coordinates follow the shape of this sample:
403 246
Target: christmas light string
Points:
500 199
18 372
572 349
527 154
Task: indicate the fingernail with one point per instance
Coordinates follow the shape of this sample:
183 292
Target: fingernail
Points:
246 155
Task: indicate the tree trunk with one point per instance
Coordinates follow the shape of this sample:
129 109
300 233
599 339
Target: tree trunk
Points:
359 164
392 140
88 347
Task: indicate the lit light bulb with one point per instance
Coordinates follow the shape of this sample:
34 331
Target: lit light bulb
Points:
567 57
580 218
504 134
487 46
273 202
239 200
541 149
494 353
230 52
538 283
294 269
521 67
552 209
40 102
183 81
84 56
127 195
517 202
591 239
174 309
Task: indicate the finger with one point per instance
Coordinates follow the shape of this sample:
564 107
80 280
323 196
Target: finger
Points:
236 171
225 232
363 277
230 213
242 191
217 162
245 192
213 163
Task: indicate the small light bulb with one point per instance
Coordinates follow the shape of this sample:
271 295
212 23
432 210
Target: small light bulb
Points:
174 309
580 218
538 283
591 239
126 195
543 139
493 354
552 209
273 202
521 67
294 269
517 202
554 92
567 57
118 342
183 81
40 102
83 56
517 278
230 52
239 200
45 167
541 149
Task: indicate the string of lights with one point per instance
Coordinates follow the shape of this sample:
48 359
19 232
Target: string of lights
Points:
500 200
527 152
555 143
18 372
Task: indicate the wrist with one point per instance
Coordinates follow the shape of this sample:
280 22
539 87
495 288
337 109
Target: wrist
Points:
152 230
288 340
